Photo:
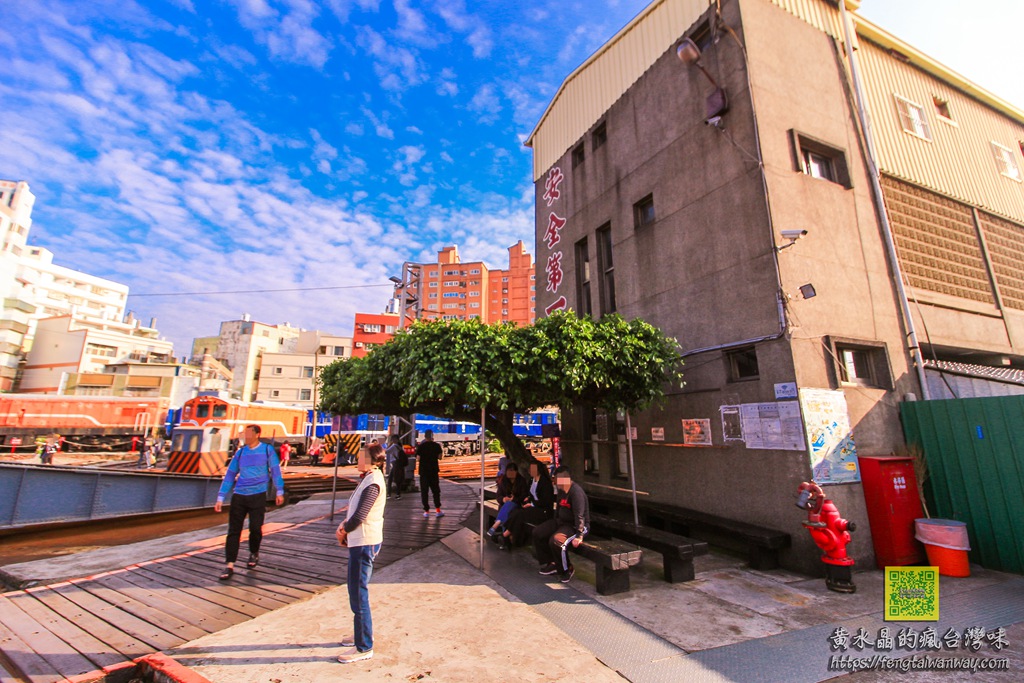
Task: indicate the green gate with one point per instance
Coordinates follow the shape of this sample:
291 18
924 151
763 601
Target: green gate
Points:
974 448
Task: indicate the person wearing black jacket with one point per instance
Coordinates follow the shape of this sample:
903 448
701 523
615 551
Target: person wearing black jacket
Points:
571 522
535 509
429 454
512 492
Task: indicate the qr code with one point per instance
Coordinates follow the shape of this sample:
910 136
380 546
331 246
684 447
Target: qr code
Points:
911 594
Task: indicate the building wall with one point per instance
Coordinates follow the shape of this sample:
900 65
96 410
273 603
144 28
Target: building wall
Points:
511 293
240 345
290 377
372 330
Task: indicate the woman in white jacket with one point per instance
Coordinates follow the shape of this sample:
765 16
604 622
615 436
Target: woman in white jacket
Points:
363 532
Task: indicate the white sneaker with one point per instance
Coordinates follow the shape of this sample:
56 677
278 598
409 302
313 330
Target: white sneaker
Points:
354 655
348 641
426 515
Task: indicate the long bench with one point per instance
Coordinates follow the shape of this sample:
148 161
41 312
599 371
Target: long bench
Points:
677 551
761 544
612 559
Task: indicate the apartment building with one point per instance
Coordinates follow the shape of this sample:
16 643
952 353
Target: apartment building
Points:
291 377
240 346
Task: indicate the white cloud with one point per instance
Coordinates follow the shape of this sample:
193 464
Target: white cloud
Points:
397 67
447 83
486 104
447 157
478 35
287 31
379 125
353 128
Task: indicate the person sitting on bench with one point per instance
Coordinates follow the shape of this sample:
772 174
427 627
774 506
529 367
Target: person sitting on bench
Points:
535 510
552 539
512 492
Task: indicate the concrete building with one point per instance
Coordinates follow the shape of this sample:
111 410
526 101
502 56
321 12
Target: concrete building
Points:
177 382
290 377
726 194
67 345
16 201
372 329
241 345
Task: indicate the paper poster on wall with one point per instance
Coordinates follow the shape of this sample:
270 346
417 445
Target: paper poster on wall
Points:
732 428
697 432
832 449
775 426
657 433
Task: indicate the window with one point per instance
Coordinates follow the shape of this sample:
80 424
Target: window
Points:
606 269
275 393
474 271
450 306
1005 162
339 350
741 364
307 371
474 293
912 118
578 155
451 295
599 137
643 211
305 394
820 160
203 410
861 363
595 431
432 295
452 272
432 284
220 410
277 371
942 110
371 329
475 304
504 279
452 283
101 350
583 277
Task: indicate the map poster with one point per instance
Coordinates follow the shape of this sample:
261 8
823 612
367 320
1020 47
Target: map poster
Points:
829 435
775 426
697 432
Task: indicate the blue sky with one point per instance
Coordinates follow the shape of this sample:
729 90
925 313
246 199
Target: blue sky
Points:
184 146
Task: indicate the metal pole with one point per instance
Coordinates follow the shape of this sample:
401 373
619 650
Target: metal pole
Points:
632 469
483 452
334 484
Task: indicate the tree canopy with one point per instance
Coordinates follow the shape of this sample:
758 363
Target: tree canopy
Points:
454 368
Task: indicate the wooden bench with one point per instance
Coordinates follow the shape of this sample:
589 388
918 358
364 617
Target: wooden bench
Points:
761 544
612 558
677 552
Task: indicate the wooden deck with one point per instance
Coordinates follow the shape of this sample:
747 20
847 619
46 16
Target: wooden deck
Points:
55 632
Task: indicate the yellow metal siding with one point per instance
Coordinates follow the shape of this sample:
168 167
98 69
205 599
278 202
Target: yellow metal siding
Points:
818 14
594 87
958 161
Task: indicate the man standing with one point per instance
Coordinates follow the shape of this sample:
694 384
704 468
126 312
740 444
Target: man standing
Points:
570 524
429 454
252 466
397 462
363 533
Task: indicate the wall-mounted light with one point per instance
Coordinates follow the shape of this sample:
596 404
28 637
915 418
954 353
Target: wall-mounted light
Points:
717 103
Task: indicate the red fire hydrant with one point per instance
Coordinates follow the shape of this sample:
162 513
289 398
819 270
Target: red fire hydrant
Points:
831 533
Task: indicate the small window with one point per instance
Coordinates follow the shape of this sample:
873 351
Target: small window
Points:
942 110
203 410
820 160
599 137
578 154
220 410
1005 162
277 371
307 371
275 393
741 364
861 363
606 269
305 394
912 118
643 211
583 277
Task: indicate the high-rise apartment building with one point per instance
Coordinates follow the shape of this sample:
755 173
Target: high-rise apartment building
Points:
241 345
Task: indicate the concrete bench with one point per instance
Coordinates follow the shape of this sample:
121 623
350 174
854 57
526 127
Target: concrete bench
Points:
612 558
677 551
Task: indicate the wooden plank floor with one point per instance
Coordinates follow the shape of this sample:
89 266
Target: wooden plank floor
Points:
50 633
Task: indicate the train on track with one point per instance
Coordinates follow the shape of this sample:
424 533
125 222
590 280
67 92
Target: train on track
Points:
86 423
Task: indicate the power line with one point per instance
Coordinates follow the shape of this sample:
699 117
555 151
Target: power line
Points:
260 291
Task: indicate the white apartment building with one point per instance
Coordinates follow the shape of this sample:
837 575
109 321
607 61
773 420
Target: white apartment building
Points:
16 310
241 345
290 377
70 344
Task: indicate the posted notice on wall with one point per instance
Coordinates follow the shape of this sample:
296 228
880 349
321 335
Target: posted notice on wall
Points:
697 432
832 449
775 426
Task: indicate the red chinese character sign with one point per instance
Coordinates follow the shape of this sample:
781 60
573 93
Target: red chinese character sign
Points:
551 238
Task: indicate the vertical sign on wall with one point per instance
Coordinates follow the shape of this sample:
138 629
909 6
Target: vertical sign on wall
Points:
553 268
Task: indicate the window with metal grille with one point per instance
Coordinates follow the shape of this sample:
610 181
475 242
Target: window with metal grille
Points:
606 269
1006 161
583 277
912 118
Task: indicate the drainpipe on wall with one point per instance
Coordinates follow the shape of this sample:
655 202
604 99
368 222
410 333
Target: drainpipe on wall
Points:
883 217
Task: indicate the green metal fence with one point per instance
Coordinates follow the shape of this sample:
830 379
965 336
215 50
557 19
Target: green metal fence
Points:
974 448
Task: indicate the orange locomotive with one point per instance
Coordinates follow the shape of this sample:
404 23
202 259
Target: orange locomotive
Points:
203 438
88 422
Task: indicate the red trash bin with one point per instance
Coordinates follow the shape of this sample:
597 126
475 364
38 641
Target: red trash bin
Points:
890 492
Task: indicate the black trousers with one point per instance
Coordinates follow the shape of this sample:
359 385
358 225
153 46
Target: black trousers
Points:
396 479
255 506
519 518
550 550
434 484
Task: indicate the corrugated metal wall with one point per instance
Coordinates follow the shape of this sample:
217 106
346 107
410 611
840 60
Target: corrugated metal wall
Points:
975 453
589 91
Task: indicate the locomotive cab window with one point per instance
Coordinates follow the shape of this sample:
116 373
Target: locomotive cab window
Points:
203 410
220 411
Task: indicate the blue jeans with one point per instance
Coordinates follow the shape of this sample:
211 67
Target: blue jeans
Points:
360 566
505 510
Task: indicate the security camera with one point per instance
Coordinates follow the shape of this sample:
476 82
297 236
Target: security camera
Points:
793 235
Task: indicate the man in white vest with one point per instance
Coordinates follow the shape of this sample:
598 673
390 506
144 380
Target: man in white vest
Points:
363 532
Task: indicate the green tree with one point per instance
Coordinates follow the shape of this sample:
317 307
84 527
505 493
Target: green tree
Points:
453 368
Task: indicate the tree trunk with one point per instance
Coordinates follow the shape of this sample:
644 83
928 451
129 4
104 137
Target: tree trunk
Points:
500 423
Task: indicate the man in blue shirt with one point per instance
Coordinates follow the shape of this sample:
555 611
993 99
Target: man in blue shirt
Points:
249 473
